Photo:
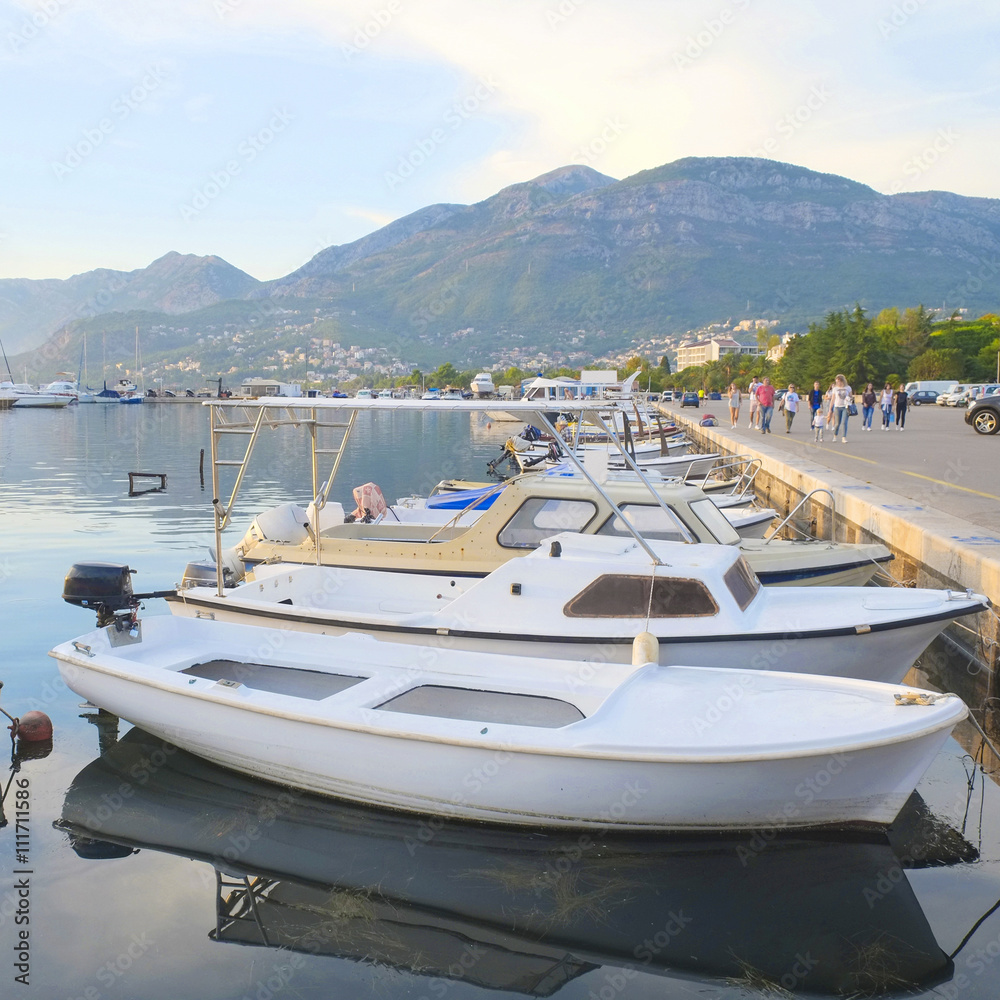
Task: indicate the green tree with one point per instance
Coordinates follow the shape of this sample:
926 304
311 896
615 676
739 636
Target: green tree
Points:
934 363
665 365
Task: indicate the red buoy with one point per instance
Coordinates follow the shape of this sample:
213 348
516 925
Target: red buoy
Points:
34 727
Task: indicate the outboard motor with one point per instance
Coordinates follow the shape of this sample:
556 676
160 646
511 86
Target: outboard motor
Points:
106 588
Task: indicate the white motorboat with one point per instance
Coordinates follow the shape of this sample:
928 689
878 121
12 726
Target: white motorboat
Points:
415 894
482 386
365 394
586 596
554 743
25 396
749 522
64 386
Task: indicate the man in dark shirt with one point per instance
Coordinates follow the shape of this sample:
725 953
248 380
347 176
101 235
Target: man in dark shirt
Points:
815 398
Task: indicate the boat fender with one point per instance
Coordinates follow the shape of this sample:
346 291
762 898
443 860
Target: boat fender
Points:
33 727
645 649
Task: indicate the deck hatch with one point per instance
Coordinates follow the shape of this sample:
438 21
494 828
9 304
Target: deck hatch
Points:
501 707
312 684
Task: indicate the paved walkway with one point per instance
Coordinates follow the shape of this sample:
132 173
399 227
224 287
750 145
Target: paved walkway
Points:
937 461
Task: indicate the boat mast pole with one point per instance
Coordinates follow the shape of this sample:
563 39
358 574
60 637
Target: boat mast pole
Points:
219 568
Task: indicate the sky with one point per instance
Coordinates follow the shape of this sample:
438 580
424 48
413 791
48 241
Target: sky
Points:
265 131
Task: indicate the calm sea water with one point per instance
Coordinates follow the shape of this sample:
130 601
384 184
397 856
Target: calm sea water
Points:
165 877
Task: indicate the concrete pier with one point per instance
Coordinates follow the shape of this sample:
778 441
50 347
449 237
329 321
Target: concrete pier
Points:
931 494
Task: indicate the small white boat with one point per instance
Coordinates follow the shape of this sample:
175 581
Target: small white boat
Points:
749 522
365 394
482 386
62 387
555 743
586 596
25 396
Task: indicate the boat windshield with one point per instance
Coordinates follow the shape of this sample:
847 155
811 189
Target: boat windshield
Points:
538 518
716 522
650 521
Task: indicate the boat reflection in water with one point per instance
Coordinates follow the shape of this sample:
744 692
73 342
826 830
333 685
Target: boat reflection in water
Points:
505 909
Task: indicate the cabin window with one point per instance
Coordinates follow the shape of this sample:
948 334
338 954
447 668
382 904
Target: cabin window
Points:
499 707
742 582
716 522
620 596
538 518
651 521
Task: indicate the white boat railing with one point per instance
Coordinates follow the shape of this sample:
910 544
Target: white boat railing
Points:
798 507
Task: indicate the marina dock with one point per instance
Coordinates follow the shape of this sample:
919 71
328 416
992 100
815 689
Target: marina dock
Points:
931 494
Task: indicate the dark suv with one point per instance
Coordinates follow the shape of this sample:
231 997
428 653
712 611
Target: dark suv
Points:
984 415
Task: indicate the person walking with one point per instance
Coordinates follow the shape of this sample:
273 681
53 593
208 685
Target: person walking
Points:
815 399
902 399
885 402
818 423
765 405
754 403
868 400
734 404
841 396
791 404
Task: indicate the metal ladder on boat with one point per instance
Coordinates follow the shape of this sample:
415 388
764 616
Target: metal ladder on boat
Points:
329 433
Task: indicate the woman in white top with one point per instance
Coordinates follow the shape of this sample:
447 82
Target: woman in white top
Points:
885 402
790 402
841 395
734 404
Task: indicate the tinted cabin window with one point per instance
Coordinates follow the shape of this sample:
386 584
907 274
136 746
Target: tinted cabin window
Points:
742 582
650 521
615 596
539 518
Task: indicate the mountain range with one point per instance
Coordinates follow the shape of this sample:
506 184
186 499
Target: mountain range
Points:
695 241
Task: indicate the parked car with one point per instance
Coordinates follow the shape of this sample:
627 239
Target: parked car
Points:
984 415
714 395
923 396
690 399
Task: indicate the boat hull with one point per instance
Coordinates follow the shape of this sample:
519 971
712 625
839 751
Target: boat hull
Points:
882 654
648 755
481 784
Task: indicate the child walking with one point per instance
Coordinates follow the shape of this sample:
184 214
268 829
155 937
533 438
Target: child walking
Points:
819 422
